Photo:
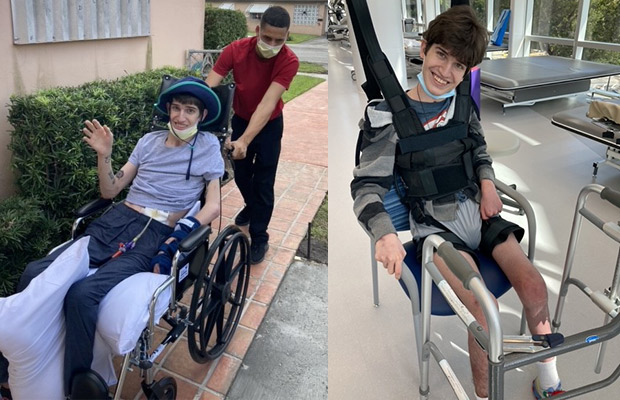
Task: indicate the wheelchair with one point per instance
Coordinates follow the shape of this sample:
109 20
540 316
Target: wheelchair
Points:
217 272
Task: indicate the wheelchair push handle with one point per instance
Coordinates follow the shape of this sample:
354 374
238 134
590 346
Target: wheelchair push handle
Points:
457 263
612 196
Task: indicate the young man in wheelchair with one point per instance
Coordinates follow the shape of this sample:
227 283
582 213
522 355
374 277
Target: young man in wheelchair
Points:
449 187
168 171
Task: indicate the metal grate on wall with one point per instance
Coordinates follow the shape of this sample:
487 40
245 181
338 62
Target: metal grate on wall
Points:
51 21
305 14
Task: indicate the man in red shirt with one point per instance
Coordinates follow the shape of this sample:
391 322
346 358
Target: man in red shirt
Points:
263 68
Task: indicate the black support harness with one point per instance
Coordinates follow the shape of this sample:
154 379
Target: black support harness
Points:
432 164
439 162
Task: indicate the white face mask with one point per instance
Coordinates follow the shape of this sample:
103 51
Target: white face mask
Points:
184 134
267 51
429 94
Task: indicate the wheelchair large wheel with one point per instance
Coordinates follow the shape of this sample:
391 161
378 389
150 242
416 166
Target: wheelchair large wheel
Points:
219 295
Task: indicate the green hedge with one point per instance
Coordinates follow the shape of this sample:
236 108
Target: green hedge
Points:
223 27
25 234
56 172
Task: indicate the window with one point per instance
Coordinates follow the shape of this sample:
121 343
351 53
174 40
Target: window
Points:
582 29
256 11
603 18
555 18
305 15
35 21
570 29
545 49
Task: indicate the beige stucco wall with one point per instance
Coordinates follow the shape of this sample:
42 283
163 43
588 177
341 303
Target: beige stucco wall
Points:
176 26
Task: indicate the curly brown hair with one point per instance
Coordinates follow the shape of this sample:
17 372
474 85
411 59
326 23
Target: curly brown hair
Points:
460 32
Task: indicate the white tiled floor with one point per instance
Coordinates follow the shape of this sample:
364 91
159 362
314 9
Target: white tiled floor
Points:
371 350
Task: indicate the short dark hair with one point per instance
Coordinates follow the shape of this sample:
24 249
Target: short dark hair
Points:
185 98
276 16
459 30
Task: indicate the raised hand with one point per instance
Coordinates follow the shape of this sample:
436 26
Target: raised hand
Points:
98 137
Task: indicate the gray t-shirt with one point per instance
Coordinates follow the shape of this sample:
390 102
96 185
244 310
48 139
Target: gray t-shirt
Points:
160 182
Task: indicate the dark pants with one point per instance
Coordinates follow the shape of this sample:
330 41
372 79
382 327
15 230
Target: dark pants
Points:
255 175
120 224
4 369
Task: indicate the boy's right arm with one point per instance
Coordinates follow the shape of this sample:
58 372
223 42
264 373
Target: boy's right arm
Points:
100 139
390 252
372 179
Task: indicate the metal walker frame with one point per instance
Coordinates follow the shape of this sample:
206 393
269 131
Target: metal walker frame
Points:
493 341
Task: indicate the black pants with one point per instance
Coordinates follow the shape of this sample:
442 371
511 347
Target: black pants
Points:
255 175
120 224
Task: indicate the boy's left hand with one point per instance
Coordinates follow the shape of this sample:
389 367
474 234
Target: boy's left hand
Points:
490 203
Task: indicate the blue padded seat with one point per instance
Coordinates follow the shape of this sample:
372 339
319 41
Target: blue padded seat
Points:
494 278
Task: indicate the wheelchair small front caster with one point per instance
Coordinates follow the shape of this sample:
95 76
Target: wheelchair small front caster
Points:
88 385
163 389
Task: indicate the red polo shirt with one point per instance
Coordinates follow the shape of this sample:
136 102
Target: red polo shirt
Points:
253 74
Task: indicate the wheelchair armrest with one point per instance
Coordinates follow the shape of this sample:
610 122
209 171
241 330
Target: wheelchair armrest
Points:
195 238
92 207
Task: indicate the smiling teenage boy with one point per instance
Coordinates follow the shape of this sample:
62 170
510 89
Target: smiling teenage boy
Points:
449 187
263 68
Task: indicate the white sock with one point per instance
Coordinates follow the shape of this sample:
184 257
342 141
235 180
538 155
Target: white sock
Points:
481 398
548 374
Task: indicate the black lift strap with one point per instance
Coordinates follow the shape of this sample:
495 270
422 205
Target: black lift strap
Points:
380 76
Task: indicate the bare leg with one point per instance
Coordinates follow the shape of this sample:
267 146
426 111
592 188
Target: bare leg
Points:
532 292
477 357
527 282
530 288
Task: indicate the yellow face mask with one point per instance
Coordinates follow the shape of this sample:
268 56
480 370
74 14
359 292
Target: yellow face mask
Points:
267 51
184 134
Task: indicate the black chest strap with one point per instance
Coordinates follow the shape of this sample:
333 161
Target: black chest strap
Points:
380 76
433 138
381 81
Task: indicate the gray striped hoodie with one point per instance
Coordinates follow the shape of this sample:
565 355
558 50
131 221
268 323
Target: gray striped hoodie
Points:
373 177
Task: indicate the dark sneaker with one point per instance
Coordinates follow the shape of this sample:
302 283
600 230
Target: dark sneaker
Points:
243 218
540 393
257 252
5 393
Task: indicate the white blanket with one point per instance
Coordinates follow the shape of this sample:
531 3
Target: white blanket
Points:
32 324
118 332
32 327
